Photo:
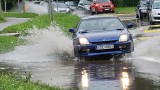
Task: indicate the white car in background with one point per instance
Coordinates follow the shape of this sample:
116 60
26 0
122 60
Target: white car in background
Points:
61 7
154 13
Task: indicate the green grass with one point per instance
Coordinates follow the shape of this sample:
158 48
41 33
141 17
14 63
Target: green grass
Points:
7 43
125 10
38 21
2 19
15 82
66 21
19 15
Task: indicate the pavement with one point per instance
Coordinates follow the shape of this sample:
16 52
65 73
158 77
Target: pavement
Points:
12 21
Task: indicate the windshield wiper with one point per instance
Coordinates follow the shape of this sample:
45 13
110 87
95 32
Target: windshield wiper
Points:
119 29
113 29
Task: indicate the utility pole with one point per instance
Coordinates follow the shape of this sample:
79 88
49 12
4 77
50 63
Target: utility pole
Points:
0 5
50 10
24 6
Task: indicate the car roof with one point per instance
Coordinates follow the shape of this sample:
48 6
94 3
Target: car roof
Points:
99 16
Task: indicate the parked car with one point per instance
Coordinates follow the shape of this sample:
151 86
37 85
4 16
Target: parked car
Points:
101 35
154 12
100 6
61 7
72 5
84 5
142 9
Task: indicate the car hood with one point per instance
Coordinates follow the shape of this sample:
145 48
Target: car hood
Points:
143 7
157 10
61 9
102 36
105 3
87 7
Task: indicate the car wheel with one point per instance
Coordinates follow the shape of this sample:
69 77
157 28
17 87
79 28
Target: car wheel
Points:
112 11
140 16
137 16
96 10
76 54
151 22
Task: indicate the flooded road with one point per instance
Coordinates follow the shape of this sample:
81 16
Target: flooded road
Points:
49 58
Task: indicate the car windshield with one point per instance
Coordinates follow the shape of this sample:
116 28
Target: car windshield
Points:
101 1
100 24
143 3
85 2
60 5
156 5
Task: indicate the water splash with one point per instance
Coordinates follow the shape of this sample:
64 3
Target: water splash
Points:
44 45
148 50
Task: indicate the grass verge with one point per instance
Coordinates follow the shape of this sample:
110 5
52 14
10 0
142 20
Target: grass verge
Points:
14 82
125 10
2 19
19 15
38 21
7 43
64 21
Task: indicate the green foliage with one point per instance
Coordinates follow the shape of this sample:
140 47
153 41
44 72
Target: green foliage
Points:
19 15
125 3
125 10
7 43
66 21
10 4
15 82
2 19
42 21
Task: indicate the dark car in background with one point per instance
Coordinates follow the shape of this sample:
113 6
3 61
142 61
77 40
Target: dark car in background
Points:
101 35
142 9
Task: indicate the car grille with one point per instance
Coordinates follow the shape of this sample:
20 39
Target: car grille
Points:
157 18
106 6
105 42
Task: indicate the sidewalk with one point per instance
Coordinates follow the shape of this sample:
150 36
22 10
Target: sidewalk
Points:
12 21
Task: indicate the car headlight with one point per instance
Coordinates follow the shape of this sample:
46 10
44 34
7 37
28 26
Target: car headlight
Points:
154 12
123 38
83 41
101 6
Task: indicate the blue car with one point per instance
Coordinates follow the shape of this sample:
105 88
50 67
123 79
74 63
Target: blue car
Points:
102 35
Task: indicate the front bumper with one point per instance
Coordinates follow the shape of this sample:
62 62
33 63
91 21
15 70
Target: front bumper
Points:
119 48
155 18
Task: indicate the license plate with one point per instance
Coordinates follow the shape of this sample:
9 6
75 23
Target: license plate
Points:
101 47
106 9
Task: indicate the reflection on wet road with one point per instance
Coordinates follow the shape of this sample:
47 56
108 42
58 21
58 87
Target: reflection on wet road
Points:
104 75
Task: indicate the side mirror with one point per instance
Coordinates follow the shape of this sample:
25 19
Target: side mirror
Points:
72 30
129 25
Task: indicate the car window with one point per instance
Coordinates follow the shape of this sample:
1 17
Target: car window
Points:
101 1
156 5
60 5
100 24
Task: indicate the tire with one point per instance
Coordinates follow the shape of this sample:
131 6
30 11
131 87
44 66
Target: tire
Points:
140 16
96 10
151 22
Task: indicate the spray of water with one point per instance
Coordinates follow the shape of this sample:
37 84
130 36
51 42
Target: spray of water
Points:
148 50
44 45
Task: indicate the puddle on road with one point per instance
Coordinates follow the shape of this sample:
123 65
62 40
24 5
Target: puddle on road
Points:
42 57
